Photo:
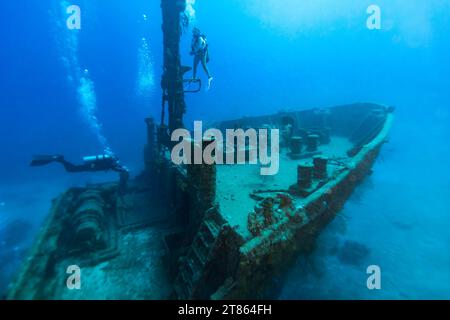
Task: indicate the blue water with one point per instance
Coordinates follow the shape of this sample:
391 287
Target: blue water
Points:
80 92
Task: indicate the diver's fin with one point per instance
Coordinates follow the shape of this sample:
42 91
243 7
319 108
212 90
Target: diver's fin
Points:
42 160
209 83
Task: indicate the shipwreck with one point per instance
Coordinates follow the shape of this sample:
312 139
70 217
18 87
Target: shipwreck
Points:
204 231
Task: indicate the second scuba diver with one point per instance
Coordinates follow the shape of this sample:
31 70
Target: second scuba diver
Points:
200 51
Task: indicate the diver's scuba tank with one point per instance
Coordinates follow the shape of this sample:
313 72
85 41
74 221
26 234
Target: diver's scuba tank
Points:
99 158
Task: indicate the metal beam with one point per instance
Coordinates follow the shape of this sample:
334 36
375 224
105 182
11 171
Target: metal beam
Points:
172 78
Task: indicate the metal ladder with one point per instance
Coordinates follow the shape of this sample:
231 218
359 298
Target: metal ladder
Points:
192 269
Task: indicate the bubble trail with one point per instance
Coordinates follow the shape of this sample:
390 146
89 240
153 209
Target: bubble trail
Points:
68 45
146 77
189 14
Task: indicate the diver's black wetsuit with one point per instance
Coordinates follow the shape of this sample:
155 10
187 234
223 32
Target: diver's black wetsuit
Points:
91 164
100 164
200 51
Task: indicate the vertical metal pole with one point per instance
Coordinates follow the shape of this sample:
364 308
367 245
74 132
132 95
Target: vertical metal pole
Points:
172 78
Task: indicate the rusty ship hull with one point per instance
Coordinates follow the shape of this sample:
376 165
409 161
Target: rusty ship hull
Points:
261 224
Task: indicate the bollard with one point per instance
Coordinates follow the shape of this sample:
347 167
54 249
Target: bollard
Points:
305 175
320 167
312 142
296 145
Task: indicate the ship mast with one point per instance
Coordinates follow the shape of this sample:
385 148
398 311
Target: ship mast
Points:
172 78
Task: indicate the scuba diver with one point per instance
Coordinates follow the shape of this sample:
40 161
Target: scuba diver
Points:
104 162
200 51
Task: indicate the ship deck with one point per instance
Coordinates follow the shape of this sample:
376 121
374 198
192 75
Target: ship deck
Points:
134 268
138 273
235 183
